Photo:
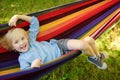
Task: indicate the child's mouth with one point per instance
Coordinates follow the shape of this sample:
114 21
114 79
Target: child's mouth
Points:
24 47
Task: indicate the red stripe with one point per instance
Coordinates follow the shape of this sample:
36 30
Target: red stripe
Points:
57 12
63 10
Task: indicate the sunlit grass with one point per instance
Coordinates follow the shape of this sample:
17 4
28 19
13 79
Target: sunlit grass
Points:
112 37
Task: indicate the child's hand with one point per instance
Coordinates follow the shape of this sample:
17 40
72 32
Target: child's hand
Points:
36 63
13 20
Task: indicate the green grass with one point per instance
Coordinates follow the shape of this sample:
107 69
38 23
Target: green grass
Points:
78 68
10 7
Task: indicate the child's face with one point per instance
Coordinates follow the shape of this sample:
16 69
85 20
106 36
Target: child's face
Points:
20 44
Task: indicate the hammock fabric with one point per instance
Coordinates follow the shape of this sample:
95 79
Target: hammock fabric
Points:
75 20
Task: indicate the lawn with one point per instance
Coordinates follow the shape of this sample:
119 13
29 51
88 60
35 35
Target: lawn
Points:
81 69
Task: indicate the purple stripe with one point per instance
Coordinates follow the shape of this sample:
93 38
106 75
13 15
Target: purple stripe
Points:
9 63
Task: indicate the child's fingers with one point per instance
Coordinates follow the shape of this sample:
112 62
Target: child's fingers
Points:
36 63
12 21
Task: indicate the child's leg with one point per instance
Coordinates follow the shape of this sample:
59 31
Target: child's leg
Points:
74 44
91 42
88 46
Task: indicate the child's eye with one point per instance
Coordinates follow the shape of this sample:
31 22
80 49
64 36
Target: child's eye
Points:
23 38
16 42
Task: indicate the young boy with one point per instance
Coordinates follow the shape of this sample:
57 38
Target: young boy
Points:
34 53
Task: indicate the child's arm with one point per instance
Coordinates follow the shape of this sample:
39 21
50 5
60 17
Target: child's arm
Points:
15 18
34 24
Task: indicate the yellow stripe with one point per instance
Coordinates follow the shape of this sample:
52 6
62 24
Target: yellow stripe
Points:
9 71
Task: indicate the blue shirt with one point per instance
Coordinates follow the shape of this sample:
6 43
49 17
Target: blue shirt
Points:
43 50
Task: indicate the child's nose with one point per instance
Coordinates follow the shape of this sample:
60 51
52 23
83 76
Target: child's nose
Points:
21 42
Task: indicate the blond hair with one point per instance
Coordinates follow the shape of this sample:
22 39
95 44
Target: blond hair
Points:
6 40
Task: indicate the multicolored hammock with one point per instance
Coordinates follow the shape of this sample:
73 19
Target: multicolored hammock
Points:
74 20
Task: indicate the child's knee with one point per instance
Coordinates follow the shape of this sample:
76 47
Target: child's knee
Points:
84 46
89 40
